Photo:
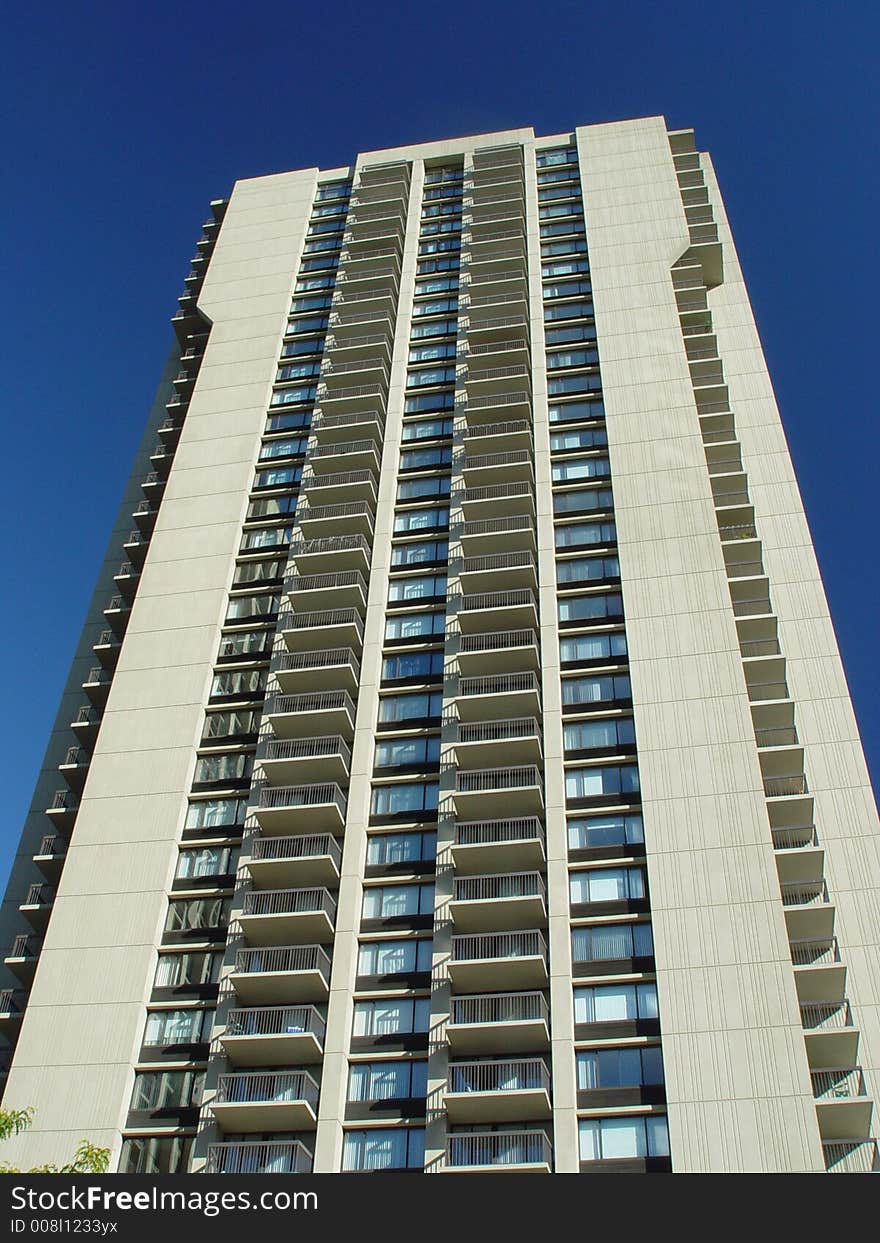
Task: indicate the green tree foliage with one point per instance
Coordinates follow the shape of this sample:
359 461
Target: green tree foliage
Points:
88 1158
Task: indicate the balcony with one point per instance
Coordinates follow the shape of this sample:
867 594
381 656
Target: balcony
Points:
287 973
498 535
367 344
50 856
63 809
346 589
107 648
335 668
335 427
266 1101
117 613
331 554
493 407
501 500
322 521
12 1004
97 685
323 628
499 1023
282 862
281 1157
371 274
498 610
829 1033
86 724
489 961
75 768
493 791
304 716
503 651
809 916
136 546
345 399
368 261
341 488
853 1156
491 438
504 1152
23 956
499 571
819 974
505 1090
37 906
499 903
843 1107
288 916
480 744
499 694
301 809
274 1036
498 845
286 760
144 515
353 454
513 466
799 858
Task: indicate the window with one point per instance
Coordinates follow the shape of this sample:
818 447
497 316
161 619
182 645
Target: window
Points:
245 643
390 901
559 155
611 647
306 283
396 1148
611 1139
410 798
387 1081
420 520
607 885
232 766
607 942
288 421
180 970
272 506
231 724
565 267
579 438
548 194
424 587
320 263
439 246
324 226
570 334
575 411
386 849
239 682
215 813
429 376
436 306
426 403
417 489
178 1026
306 323
436 284
391 1016
425 665
330 209
419 554
321 244
427 266
547 178
283 448
615 1003
395 957
605 831
278 477
561 386
571 358
425 459
258 572
599 735
155 1156
414 626
586 569
593 782
190 914
266 537
619 1068
590 608
565 289
252 606
605 688
573 246
580 533
565 503
167 1089
431 228
204 861
437 328
574 224
568 310
574 470
316 302
333 190
407 752
426 429
306 345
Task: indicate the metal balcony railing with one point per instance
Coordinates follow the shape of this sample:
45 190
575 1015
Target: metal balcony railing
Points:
275 1021
266 1086
304 748
767 690
359 343
342 448
496 832
483 779
51 844
76 756
744 569
257 1157
499 1008
499 684
289 902
781 736
813 894
794 838
302 796
87 716
282 958
359 391
504 1075
329 544
826 1015
320 701
98 676
513 428
63 800
838 1083
339 479
495 526
759 647
486 461
477 301
324 582
306 846
498 399
521 597
24 946
500 886
486 946
815 953
38 895
11 1000
501 321
779 787
516 728
497 641
494 1148
358 316
321 618
332 658
851 1156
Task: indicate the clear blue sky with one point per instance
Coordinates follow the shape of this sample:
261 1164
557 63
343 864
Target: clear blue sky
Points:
122 122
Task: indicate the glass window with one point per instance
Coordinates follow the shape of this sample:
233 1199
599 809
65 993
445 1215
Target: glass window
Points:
599 735
565 267
392 1015
605 688
204 861
283 448
426 429
231 724
426 403
306 283
288 420
586 569
266 537
568 310
605 831
414 626
319 244
420 520
436 306
333 190
246 643
282 504
579 438
592 782
575 411
571 358
560 386
252 606
607 885
429 376
577 534
395 957
278 477
390 901
315 302
178 1026
216 813
565 174
416 489
187 914
565 289
227 767
436 328
584 501
569 334
412 797
590 608
397 1148
432 227
549 193
610 647
439 245
433 353
423 587
556 156
436 284
320 262
406 752
425 665
306 323
619 1068
420 554
155 1156
610 1139
615 1003
574 224
386 849
305 345
167 1089
239 682
426 459
180 970
572 246
258 572
387 1081
607 942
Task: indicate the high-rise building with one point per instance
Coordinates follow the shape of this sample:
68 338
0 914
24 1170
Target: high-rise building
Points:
458 772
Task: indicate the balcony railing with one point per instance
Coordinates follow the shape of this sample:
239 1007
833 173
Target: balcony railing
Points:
321 701
511 730
488 461
341 448
838 1083
283 958
851 1156
826 1015
780 787
292 662
499 1008
303 796
498 399
11 1000
322 618
289 902
307 846
256 1157
507 1075
781 736
51 844
304 748
497 640
493 888
497 1149
299 583
795 838
821 953
813 894
264 1087
497 832
496 600
489 946
486 779
499 684
329 543
495 526
275 1021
